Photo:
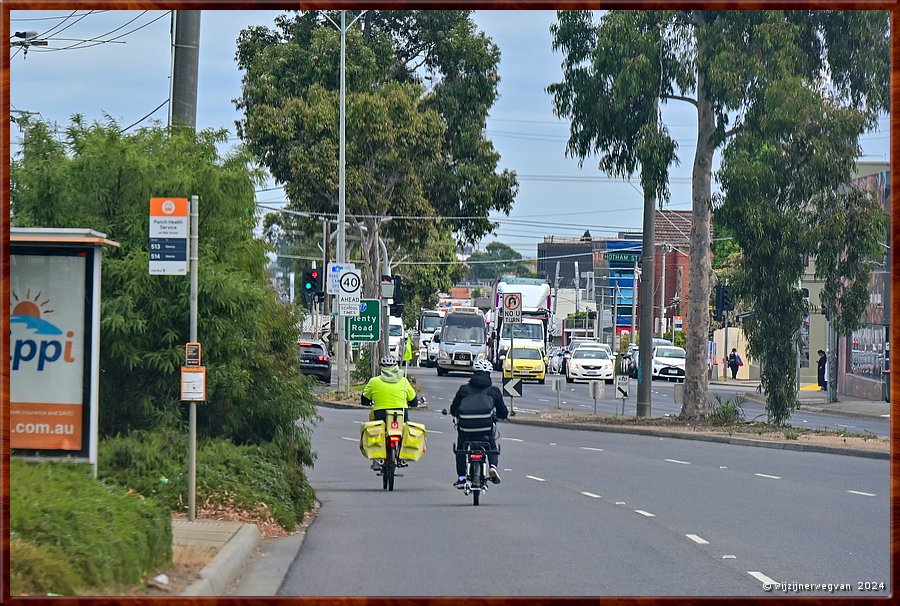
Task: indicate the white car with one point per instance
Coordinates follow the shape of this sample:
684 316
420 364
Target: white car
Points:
589 363
668 362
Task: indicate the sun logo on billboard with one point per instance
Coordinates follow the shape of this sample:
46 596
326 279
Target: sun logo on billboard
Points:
28 310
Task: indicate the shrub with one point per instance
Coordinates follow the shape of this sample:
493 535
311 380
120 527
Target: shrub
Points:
40 568
726 412
251 477
108 536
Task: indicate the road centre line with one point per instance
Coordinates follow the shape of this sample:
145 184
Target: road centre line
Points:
644 513
865 494
697 539
433 431
762 475
589 448
350 439
591 494
543 400
762 578
677 461
536 479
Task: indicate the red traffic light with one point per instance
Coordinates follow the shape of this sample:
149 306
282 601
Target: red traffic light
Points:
314 273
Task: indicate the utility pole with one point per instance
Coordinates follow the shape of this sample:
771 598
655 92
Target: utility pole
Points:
186 58
192 431
662 295
646 325
634 298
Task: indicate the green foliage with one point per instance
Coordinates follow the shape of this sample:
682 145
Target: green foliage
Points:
504 260
362 368
419 85
422 282
102 179
765 67
678 338
726 412
256 478
107 536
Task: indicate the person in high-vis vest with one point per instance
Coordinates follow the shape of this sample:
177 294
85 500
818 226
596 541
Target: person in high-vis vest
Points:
387 391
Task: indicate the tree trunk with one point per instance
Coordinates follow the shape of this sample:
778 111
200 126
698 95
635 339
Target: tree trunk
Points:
697 306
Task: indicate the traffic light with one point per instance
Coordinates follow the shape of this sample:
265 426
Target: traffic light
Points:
310 285
395 310
727 305
592 315
398 290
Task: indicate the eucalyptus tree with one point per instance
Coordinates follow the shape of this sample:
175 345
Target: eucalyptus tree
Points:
419 86
100 178
721 63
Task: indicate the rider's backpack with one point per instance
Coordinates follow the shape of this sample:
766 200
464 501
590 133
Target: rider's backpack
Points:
476 412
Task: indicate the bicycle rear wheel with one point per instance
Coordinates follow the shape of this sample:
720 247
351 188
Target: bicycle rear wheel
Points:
387 478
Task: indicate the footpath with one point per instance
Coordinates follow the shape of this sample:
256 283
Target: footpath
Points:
261 565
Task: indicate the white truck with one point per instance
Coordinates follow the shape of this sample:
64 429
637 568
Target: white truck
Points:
532 331
429 321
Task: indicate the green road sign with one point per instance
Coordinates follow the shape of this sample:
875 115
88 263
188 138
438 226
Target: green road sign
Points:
627 257
365 326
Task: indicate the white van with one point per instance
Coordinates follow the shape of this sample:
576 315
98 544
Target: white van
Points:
395 336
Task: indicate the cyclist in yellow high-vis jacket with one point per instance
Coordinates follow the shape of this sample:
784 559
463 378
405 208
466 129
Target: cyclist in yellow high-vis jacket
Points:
389 390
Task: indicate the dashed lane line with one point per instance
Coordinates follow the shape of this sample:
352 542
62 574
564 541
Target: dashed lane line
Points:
865 494
536 479
762 578
697 539
513 439
433 431
350 439
763 475
677 461
644 513
591 494
594 449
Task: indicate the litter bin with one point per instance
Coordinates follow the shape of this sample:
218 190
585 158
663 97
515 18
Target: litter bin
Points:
679 393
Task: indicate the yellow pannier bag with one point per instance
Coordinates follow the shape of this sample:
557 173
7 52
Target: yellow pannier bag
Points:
371 440
413 446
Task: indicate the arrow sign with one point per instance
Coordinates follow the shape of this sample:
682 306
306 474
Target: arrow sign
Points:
622 383
512 387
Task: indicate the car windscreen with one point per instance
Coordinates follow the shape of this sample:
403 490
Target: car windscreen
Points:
522 331
590 353
669 352
525 353
431 323
463 328
395 330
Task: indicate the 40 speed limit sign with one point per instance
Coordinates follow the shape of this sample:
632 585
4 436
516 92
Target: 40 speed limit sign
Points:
349 293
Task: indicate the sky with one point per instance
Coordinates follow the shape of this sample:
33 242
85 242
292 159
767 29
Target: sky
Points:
118 64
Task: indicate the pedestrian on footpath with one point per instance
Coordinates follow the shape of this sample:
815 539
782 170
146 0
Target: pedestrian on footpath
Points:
823 359
734 362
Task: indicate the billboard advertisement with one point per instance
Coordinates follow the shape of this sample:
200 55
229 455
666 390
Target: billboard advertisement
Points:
49 330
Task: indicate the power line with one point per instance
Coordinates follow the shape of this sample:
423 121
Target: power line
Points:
145 117
17 19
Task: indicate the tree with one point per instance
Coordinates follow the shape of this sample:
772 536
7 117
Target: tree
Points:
722 63
102 179
787 175
496 260
419 86
432 270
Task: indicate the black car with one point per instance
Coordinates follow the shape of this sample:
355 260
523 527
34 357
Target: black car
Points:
314 360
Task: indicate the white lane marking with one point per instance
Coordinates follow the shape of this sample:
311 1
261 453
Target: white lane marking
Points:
439 398
722 467
886 416
433 431
762 475
536 479
591 494
696 539
620 502
594 449
584 405
513 439
552 443
677 461
543 400
762 578
350 439
865 494
644 513
729 557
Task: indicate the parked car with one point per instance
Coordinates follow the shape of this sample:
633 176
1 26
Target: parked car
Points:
668 362
589 363
525 362
314 360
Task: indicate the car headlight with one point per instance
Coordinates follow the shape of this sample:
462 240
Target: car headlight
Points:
574 365
443 355
481 356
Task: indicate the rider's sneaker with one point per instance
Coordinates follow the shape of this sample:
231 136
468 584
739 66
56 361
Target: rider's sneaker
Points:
495 477
376 464
460 482
402 463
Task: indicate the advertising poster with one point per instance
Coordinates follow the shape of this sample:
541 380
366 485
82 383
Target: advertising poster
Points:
47 351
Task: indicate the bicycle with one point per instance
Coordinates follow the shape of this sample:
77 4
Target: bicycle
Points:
394 442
